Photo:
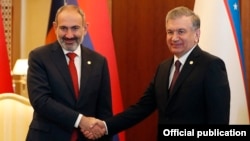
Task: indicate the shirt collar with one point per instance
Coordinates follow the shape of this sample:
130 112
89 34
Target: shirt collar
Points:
183 58
77 51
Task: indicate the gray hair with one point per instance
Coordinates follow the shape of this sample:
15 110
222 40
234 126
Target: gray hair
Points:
73 8
184 11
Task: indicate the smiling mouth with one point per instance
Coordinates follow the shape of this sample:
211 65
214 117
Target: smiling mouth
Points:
176 45
69 41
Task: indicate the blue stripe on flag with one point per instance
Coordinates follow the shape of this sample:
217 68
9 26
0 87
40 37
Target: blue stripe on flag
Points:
233 6
74 2
87 41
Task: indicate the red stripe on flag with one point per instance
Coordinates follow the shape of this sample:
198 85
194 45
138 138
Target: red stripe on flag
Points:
5 76
99 28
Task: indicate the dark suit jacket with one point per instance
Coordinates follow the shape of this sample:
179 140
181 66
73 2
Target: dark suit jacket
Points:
201 95
51 92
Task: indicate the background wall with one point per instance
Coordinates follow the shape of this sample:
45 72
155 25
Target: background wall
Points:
30 19
35 25
139 37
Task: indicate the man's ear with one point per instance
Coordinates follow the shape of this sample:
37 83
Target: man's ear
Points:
54 25
85 28
197 35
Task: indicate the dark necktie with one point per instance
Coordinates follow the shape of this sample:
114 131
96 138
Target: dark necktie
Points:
73 73
176 74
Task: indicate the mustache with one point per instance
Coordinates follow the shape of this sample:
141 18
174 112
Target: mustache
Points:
65 38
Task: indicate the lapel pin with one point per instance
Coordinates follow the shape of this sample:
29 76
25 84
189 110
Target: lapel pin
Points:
191 62
89 62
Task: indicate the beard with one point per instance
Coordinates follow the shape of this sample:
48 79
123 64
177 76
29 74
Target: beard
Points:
70 44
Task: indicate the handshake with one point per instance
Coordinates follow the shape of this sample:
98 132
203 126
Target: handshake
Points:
92 128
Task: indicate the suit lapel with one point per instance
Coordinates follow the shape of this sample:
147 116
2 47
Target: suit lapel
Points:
62 66
162 82
86 66
186 70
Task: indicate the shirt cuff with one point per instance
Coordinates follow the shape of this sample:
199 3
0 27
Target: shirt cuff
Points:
78 121
106 133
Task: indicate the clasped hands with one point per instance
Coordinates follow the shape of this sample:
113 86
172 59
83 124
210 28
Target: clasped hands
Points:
92 128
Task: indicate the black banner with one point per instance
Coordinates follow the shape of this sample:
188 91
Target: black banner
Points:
199 132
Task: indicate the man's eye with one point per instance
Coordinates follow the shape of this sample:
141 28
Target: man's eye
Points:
75 28
169 32
181 32
63 28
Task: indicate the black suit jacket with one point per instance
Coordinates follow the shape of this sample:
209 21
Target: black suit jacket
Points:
51 93
201 95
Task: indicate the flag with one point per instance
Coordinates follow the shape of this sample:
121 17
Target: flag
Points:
55 5
221 36
99 38
5 74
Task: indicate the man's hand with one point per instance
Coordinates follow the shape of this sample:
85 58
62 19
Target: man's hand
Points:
92 128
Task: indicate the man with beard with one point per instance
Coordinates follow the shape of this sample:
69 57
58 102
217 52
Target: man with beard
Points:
62 100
